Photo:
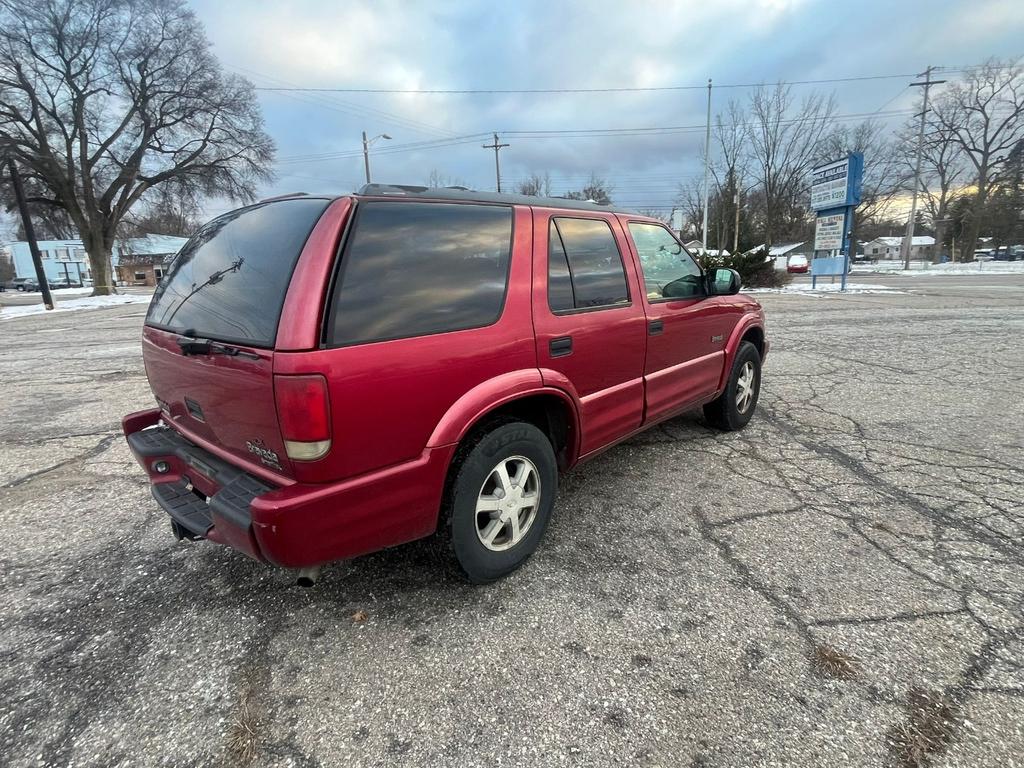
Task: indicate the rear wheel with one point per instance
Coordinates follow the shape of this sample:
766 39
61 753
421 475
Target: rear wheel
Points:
734 407
500 499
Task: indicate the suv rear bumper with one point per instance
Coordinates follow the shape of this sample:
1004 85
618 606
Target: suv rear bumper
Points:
294 526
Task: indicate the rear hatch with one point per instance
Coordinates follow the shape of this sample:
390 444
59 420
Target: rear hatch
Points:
227 287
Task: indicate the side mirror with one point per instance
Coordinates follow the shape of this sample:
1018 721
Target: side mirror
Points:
723 282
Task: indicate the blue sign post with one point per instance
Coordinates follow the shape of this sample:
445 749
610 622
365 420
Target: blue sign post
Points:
835 193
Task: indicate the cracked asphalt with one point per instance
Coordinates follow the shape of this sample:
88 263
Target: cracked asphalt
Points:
787 595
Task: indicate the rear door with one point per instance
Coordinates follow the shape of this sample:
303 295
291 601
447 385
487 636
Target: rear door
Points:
228 285
588 322
687 330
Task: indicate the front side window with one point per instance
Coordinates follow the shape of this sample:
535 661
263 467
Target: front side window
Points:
584 264
668 270
413 269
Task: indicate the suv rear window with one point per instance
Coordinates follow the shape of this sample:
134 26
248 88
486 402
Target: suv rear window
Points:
230 279
413 269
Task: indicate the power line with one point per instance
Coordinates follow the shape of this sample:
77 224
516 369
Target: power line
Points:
572 133
338 105
624 89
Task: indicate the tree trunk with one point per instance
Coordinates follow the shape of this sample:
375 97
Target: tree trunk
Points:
98 249
940 236
973 229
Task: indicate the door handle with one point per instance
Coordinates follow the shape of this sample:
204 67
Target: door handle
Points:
561 346
654 327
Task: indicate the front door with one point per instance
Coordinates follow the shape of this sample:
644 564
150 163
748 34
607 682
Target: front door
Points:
686 329
588 321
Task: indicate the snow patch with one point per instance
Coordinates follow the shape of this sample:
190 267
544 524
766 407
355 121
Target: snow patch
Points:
918 269
71 305
823 287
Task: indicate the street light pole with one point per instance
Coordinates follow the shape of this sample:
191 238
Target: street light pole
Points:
366 157
366 151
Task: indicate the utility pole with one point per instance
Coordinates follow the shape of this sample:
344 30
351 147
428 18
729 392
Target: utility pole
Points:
736 226
30 234
707 167
909 239
366 157
497 165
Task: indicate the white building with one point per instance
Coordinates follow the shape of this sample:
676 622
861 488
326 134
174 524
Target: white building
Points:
921 247
65 261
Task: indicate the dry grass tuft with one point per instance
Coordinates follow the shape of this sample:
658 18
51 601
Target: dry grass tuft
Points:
243 738
930 726
828 662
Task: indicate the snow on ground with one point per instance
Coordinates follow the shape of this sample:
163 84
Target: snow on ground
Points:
920 269
72 305
826 287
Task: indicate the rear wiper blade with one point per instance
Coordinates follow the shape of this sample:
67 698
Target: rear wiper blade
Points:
194 346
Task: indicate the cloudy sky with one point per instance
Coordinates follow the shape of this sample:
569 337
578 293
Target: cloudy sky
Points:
567 45
529 44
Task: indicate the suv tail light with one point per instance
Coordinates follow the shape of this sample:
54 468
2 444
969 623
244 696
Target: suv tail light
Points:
304 410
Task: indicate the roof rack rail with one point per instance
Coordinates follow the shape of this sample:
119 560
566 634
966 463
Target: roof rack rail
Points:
284 196
472 195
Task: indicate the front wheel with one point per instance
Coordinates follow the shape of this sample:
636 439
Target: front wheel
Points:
734 407
500 500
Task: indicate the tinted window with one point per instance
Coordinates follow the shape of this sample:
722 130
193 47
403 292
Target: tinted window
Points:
230 279
560 296
668 270
598 278
412 269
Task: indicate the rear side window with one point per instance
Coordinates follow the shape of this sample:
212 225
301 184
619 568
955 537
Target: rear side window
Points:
412 269
230 279
596 277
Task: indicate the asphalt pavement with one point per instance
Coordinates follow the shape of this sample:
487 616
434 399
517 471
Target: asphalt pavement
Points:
839 584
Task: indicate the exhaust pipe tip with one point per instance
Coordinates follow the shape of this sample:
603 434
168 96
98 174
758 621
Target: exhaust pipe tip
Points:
308 577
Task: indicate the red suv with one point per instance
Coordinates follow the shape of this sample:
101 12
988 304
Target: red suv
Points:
339 375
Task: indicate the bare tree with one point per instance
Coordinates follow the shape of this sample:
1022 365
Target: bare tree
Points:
535 185
983 115
168 209
656 213
785 138
729 172
943 171
596 189
438 180
885 172
102 100
690 200
49 222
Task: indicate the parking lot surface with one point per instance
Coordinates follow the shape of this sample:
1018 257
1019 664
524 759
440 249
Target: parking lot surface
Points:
842 583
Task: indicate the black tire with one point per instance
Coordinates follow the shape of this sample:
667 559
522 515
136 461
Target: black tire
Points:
473 468
723 412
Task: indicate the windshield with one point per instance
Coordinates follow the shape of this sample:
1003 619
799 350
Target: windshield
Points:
230 279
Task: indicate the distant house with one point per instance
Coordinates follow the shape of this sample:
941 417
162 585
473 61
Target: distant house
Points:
779 253
136 261
142 260
921 247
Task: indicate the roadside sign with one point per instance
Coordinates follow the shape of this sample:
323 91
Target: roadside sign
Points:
837 184
829 230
